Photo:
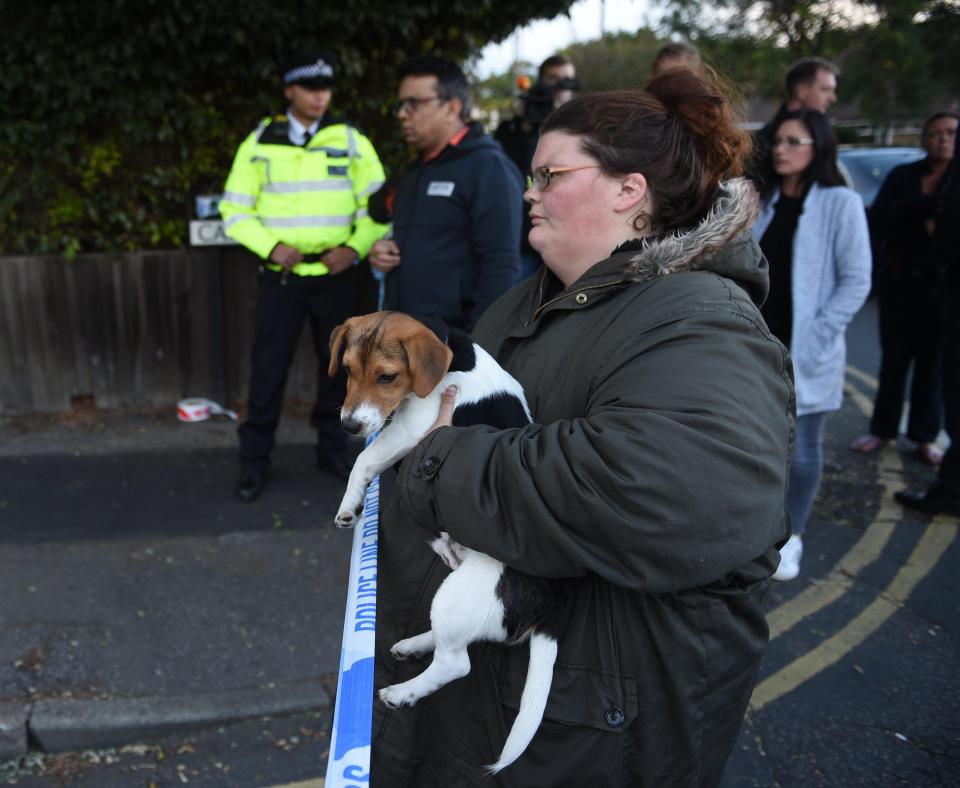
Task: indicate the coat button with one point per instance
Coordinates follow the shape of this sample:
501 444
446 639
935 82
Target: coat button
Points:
581 298
614 717
429 466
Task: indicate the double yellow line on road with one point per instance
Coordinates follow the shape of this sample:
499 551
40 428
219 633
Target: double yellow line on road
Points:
934 542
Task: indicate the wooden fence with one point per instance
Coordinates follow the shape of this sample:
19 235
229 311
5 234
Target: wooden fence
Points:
132 330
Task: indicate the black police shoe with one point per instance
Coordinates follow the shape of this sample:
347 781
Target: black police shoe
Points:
335 463
251 484
937 500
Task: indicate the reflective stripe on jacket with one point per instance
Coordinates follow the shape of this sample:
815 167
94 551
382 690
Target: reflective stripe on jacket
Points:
313 198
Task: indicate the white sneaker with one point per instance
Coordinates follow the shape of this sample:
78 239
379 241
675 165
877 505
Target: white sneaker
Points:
790 555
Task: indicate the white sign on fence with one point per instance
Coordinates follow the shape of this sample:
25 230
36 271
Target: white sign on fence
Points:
209 232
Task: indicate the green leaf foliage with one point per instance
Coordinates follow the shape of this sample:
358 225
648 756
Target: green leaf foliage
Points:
117 113
899 57
621 61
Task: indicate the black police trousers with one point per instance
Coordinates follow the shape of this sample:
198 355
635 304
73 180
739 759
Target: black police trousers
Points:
283 305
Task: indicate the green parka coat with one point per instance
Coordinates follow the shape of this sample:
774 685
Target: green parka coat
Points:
654 479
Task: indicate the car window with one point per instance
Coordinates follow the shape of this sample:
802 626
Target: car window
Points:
867 167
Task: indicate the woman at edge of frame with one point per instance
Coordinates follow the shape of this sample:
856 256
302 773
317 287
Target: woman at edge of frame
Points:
911 279
653 478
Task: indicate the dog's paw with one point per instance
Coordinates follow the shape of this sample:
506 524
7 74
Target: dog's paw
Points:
346 519
393 697
400 652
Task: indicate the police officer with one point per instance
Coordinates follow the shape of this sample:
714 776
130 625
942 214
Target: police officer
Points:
297 198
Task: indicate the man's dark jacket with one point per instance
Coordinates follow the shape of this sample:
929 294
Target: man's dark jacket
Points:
456 219
898 218
653 479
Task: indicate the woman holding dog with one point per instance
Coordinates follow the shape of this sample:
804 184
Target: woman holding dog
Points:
813 231
652 480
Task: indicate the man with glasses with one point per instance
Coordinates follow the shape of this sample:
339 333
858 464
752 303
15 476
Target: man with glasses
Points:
456 211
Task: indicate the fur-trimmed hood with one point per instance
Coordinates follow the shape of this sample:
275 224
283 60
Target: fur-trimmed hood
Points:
720 243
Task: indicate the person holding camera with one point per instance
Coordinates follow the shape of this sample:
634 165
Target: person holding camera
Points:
555 86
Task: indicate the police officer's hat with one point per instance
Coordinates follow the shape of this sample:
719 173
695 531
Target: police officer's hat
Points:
314 69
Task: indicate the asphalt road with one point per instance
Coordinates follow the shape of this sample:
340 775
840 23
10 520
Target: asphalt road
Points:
861 683
860 686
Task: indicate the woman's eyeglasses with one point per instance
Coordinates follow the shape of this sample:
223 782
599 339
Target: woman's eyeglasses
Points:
792 142
541 177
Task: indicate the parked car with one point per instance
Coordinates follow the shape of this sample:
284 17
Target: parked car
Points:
866 168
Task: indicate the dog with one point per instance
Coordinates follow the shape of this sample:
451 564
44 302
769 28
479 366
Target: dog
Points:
397 369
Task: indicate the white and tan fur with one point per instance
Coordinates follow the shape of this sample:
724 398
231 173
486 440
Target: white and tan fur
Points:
397 369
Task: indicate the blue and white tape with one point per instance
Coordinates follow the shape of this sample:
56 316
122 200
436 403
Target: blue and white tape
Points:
348 765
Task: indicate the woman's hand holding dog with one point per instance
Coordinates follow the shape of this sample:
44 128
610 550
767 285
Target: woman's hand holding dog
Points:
445 417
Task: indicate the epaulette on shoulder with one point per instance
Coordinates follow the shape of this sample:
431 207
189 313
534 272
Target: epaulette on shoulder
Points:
274 130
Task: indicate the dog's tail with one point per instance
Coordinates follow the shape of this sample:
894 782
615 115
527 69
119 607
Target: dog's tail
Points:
536 688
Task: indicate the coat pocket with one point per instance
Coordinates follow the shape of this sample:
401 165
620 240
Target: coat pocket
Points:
582 739
818 349
587 697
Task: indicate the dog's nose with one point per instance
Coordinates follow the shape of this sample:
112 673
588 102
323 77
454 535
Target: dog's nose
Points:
351 425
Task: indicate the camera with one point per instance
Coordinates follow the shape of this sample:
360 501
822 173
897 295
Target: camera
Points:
540 100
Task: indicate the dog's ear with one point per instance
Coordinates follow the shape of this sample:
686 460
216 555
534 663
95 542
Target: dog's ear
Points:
337 338
429 360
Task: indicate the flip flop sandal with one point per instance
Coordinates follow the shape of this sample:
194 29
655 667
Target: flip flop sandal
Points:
868 444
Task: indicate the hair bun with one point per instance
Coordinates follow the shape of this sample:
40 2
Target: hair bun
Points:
700 106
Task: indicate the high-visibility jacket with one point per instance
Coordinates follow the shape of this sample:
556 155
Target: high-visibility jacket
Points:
313 198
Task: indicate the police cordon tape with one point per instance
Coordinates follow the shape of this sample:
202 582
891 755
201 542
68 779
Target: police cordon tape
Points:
348 764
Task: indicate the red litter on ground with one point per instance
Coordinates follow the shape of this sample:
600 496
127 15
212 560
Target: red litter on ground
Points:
197 409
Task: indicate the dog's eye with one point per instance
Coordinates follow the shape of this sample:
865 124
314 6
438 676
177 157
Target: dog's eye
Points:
386 380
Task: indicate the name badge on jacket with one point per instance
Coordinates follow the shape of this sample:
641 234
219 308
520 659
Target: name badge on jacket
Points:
440 188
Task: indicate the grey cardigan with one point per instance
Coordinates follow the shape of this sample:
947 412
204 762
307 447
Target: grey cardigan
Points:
830 281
